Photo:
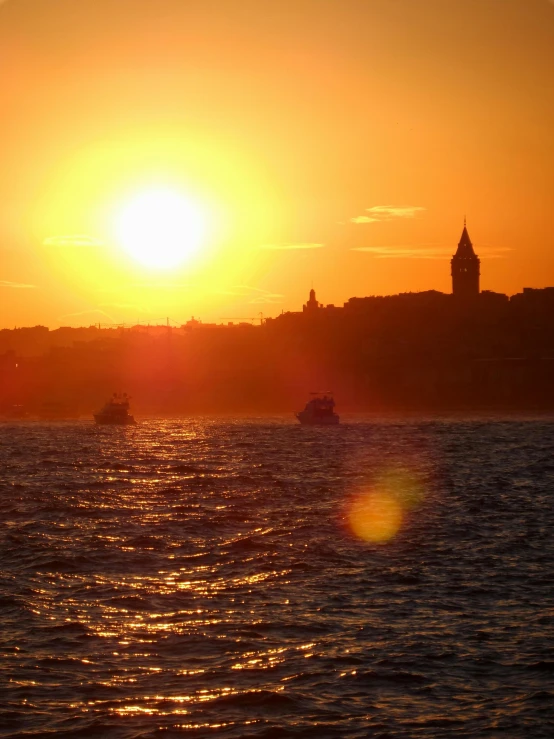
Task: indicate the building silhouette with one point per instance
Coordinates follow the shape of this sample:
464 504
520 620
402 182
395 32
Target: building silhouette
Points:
312 306
465 268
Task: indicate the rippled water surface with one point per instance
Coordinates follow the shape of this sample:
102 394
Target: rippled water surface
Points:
261 579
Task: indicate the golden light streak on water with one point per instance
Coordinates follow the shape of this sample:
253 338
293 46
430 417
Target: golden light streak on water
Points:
166 614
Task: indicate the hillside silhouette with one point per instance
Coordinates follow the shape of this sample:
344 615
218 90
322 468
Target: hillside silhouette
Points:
426 351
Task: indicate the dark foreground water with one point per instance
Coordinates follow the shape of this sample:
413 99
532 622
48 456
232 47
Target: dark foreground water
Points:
260 579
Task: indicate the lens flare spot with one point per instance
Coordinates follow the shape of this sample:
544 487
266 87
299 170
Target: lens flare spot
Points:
375 517
376 514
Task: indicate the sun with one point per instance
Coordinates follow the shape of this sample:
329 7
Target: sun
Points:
161 228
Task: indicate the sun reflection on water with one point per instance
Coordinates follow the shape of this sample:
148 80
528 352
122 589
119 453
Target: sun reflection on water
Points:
160 590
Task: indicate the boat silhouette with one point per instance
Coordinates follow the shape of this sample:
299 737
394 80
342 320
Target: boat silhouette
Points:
319 410
115 411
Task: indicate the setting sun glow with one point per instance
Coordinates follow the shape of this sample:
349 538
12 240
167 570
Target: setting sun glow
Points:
160 228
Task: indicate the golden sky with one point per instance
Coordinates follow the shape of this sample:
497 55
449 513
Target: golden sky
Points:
334 141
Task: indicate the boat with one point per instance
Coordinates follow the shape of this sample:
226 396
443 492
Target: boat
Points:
115 411
319 410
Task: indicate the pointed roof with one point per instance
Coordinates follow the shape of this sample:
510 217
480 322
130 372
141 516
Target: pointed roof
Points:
465 247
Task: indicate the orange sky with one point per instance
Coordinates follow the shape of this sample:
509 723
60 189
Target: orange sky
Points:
334 141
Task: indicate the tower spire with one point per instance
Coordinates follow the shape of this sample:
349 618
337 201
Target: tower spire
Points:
465 267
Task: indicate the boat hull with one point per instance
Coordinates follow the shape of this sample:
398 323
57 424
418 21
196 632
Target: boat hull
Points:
311 420
111 421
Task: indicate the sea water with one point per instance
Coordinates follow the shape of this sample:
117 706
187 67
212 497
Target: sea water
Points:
256 578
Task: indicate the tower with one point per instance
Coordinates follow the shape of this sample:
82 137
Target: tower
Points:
465 268
312 306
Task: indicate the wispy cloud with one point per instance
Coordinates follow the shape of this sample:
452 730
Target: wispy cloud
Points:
363 219
124 306
293 246
163 285
91 314
386 212
73 240
16 285
249 288
423 251
405 252
254 295
493 252
259 295
266 298
378 213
